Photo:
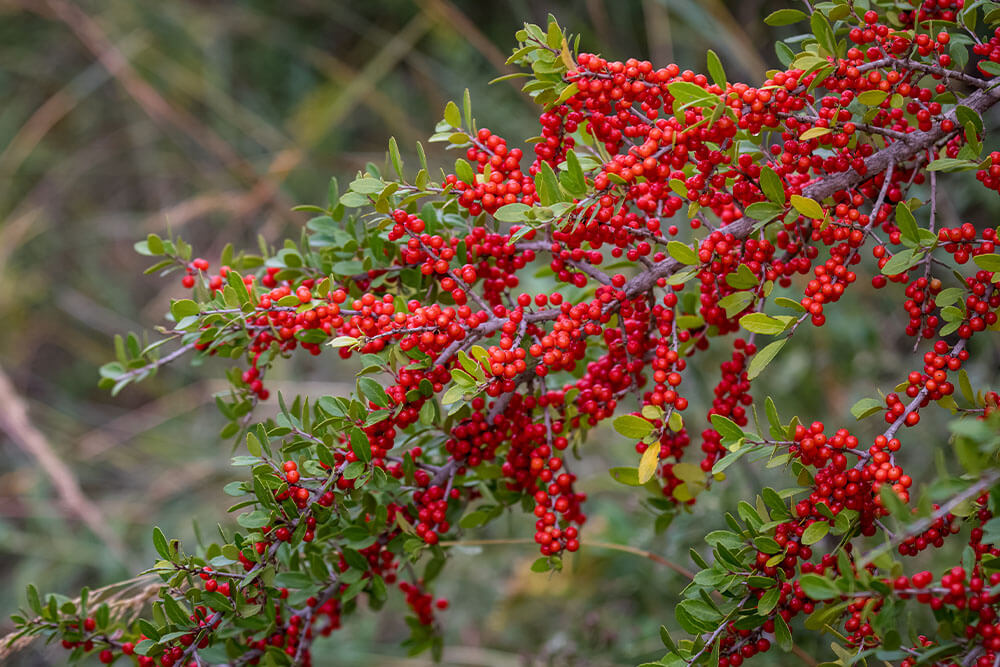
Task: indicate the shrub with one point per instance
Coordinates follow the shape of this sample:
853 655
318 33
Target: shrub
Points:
503 311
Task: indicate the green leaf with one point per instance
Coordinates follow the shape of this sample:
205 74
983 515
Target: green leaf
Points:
872 98
764 211
516 212
729 459
633 427
182 308
727 428
767 544
343 341
771 185
716 70
652 412
989 262
143 647
567 92
541 564
742 278
34 600
817 587
736 302
572 179
782 635
785 53
514 75
865 408
474 519
464 171
676 422
175 612
467 108
682 252
785 302
159 266
762 324
253 445
360 444
807 207
373 391
768 601
648 463
902 261
688 94
785 17
966 115
254 519
815 532
989 66
702 611
682 277
547 185
965 386
907 223
948 164
367 186
160 544
625 475
452 115
333 194
394 157
689 623
823 32
764 357
155 244
454 394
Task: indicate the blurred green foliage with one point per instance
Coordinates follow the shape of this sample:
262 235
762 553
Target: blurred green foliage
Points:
212 119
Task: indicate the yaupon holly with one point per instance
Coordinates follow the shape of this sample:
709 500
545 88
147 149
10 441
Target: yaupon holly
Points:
667 211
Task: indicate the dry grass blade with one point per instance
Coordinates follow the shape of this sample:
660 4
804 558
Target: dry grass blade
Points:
18 229
394 116
15 422
319 113
448 15
53 110
161 111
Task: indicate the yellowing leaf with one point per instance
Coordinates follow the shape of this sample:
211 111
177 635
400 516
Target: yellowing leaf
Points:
815 132
689 472
807 207
649 462
682 493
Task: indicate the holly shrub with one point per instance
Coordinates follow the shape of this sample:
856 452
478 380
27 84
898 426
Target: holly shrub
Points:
502 311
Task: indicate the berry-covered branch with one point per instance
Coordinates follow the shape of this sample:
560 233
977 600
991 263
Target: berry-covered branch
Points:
663 212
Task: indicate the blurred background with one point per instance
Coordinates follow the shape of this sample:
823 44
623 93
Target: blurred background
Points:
211 119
